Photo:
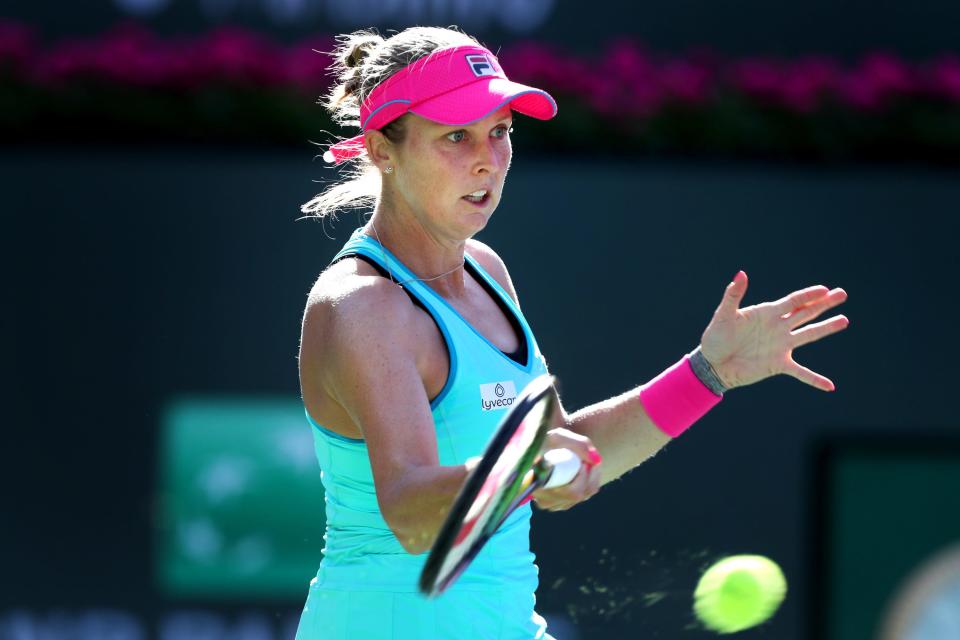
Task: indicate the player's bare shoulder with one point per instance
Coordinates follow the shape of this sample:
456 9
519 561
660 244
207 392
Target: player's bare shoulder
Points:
345 280
351 307
492 264
361 331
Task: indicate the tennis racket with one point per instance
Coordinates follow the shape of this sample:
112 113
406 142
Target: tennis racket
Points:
505 478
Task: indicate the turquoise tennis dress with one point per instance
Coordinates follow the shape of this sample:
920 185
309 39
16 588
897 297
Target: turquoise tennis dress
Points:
366 587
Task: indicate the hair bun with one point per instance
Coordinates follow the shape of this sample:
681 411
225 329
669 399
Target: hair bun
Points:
360 47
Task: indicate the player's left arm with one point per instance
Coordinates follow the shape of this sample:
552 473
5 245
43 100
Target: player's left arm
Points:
743 346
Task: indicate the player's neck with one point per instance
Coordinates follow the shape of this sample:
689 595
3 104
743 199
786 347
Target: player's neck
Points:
436 261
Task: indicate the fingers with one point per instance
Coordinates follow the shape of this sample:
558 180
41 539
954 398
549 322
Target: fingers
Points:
587 481
813 332
733 295
584 486
799 299
801 315
812 378
801 307
580 445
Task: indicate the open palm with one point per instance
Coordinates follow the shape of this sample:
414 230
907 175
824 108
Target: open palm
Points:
747 345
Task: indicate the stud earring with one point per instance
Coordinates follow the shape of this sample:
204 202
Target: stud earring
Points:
388 170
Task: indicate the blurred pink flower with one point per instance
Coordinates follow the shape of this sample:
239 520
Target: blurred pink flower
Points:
17 43
236 56
945 78
888 73
624 59
625 83
540 65
807 81
127 54
306 65
686 81
64 61
757 77
527 60
878 78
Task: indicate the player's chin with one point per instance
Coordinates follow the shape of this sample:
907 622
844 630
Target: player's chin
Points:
477 219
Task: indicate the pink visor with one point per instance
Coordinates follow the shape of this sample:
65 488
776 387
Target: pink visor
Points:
455 86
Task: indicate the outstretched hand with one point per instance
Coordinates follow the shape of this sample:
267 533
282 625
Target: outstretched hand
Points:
747 345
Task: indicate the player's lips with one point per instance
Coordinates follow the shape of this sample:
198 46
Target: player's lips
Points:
478 197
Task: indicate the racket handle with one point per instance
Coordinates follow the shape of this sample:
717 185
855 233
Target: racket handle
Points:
565 465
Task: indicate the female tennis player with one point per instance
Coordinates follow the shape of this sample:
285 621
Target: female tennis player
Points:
414 346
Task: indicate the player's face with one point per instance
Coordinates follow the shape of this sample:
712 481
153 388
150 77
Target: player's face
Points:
451 177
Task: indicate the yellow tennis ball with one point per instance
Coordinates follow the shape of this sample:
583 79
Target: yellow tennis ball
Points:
739 592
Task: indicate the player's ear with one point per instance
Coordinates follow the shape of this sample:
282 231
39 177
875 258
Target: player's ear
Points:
379 149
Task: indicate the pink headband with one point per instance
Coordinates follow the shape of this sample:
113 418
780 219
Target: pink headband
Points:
455 86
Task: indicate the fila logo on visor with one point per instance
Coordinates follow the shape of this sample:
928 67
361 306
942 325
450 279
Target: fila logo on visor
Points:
481 65
497 395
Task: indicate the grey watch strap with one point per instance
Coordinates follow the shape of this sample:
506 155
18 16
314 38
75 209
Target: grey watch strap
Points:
705 372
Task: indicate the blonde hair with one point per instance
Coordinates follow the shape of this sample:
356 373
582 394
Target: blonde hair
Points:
362 60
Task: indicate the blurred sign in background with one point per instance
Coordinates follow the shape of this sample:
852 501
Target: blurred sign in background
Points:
159 480
224 531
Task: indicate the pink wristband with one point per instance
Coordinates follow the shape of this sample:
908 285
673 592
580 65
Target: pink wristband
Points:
676 398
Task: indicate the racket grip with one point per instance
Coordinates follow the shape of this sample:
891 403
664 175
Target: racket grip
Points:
565 465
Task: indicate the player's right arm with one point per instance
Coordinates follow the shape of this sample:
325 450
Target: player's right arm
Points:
370 359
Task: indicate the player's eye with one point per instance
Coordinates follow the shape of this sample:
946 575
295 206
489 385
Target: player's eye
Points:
456 136
502 131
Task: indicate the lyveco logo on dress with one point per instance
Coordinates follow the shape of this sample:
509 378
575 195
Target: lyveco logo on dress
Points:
497 395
